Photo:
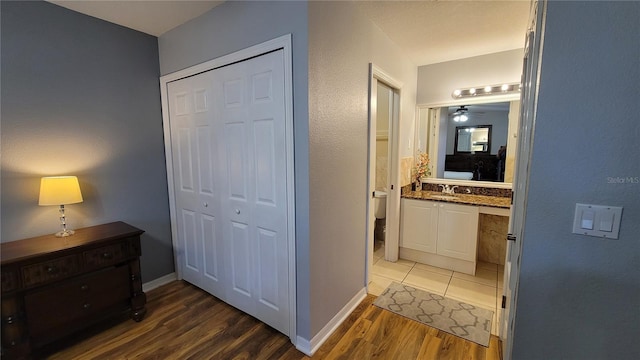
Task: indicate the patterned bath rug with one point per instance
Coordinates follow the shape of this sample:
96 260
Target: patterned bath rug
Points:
464 320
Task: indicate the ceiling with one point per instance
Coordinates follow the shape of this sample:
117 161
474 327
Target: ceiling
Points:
428 31
148 16
437 31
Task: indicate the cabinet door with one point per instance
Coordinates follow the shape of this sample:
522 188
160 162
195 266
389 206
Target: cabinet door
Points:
457 231
419 225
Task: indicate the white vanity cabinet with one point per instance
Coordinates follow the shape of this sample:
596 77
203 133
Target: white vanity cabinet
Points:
419 225
440 234
457 231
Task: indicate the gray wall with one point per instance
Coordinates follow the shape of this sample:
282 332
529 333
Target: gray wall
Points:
579 296
233 26
342 43
80 96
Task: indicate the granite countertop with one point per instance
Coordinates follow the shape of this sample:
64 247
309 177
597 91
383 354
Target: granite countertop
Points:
467 199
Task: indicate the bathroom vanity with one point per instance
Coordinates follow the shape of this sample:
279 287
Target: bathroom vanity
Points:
442 230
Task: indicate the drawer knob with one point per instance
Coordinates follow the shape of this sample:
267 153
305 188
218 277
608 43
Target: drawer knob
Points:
107 255
238 211
86 305
84 287
51 269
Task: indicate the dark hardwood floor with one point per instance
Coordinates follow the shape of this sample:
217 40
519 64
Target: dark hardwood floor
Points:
184 322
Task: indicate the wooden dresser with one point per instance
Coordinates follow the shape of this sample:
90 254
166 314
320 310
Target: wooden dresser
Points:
53 287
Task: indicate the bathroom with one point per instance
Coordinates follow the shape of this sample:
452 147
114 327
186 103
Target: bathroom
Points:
383 118
484 288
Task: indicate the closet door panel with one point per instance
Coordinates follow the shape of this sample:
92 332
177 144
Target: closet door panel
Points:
185 180
183 145
240 287
251 107
195 155
208 186
236 158
268 269
267 117
212 249
190 236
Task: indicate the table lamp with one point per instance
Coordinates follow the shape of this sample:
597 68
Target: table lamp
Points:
60 190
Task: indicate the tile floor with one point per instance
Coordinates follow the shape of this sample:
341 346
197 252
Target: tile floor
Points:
482 290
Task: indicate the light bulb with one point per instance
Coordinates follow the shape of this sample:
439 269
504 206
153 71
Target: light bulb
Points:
487 89
464 117
457 92
456 118
472 91
505 87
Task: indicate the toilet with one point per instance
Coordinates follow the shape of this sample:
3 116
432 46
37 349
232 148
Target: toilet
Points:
380 210
380 204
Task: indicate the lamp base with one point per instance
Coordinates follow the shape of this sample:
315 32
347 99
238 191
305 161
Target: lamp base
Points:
65 233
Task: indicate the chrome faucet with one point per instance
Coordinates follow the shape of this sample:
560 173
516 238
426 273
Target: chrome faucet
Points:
448 190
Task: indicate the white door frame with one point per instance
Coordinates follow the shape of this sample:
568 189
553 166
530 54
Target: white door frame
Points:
283 42
393 190
517 218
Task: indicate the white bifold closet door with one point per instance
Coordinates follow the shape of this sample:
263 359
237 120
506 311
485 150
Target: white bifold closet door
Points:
229 164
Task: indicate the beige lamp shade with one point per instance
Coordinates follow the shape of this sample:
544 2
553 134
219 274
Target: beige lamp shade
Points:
59 190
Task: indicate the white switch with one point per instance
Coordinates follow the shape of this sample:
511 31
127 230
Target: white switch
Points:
606 221
587 219
597 220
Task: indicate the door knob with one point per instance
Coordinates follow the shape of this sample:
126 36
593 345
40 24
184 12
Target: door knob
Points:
237 211
206 205
511 237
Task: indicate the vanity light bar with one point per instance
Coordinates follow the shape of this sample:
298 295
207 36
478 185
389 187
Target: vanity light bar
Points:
486 90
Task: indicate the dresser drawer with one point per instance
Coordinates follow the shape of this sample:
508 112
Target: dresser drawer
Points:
55 269
9 279
51 309
108 255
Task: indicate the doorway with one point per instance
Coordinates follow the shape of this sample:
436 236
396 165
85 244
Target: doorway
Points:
384 114
384 177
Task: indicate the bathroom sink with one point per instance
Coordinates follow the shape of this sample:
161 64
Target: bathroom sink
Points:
443 197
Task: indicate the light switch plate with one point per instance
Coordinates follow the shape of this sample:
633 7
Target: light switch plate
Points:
597 220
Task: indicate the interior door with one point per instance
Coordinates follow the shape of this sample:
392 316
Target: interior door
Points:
250 116
228 141
194 156
521 177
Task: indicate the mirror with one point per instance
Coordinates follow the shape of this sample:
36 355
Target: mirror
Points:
472 139
479 148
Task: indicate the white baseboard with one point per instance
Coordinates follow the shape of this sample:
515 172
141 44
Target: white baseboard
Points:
159 282
310 347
